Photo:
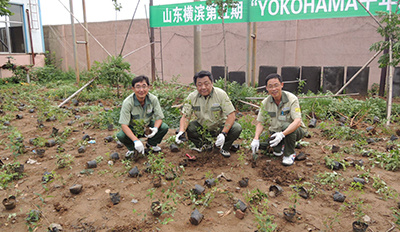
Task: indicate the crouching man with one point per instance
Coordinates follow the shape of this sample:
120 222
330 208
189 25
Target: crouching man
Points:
141 109
214 113
286 125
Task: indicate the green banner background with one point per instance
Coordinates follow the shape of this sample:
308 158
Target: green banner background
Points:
197 13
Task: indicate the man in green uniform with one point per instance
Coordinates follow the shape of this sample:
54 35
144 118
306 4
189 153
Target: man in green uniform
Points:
286 125
141 109
214 113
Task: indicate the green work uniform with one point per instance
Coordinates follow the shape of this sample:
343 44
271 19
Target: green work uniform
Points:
211 113
137 117
279 117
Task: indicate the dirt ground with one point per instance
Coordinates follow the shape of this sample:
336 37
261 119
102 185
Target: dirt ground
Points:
93 210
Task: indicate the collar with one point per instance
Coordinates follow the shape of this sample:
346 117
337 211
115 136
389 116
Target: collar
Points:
137 103
210 95
284 99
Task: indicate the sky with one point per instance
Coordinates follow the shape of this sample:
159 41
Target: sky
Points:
54 13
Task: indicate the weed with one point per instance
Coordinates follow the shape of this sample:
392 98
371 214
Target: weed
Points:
16 144
255 196
382 188
265 222
389 161
64 160
248 127
328 178
99 159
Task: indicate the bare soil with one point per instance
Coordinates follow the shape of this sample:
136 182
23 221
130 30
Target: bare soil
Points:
92 209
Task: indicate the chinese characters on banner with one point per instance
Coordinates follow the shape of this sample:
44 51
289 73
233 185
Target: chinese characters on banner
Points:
197 13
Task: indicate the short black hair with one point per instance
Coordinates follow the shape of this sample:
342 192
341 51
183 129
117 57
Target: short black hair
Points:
140 79
272 76
202 74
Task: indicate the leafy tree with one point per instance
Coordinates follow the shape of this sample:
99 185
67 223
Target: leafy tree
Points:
222 7
113 71
3 8
390 29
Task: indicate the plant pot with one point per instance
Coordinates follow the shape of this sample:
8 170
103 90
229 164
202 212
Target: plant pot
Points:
359 226
240 205
9 202
110 127
312 123
47 176
157 182
198 189
196 217
114 156
289 214
19 116
335 149
339 197
134 172
108 139
303 193
174 148
210 182
75 189
301 156
40 152
359 180
276 189
81 149
86 137
19 169
156 208
244 182
50 143
119 144
91 164
170 175
115 198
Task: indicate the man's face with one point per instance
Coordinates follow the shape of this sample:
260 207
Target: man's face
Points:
204 85
141 89
274 88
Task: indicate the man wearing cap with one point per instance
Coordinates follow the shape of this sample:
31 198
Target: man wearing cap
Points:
141 109
214 113
286 126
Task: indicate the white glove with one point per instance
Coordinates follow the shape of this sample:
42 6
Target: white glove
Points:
154 131
278 136
177 140
220 140
139 146
255 145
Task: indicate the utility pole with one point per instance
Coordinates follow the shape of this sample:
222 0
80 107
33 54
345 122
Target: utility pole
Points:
86 36
153 63
71 6
197 47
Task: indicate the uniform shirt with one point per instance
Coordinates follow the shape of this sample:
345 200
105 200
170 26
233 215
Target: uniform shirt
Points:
286 112
132 110
211 111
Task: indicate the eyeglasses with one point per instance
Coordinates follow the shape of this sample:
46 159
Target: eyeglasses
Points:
206 84
273 86
141 86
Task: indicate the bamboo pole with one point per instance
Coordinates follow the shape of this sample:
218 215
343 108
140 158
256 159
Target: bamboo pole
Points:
78 91
355 75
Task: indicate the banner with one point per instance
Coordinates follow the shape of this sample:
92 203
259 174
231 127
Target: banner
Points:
198 13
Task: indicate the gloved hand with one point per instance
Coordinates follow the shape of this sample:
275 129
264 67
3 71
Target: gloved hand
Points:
220 140
255 145
177 140
154 131
139 146
277 138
